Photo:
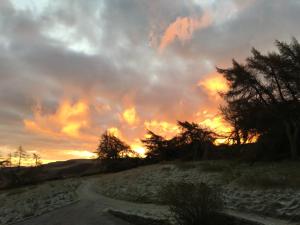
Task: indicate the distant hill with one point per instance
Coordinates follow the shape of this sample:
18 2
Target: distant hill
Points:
12 177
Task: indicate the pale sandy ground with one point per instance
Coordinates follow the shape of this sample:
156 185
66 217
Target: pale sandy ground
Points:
82 201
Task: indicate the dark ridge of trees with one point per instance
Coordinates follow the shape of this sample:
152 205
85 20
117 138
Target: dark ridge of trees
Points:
193 140
263 97
111 147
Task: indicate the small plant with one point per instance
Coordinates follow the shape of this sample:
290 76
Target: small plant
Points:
192 204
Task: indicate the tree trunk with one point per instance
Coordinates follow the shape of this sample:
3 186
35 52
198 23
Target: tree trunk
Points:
292 131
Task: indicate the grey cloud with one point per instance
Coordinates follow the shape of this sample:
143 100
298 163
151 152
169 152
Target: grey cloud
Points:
35 66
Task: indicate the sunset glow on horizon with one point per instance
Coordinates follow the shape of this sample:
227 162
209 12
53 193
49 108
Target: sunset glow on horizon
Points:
71 70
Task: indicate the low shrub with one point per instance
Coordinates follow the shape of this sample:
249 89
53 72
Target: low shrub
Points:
192 204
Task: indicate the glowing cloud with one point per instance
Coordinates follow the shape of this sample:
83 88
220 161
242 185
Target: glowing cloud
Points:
183 29
214 84
68 120
138 148
166 129
81 154
130 116
115 131
218 125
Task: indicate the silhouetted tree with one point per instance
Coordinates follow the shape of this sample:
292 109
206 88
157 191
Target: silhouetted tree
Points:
264 94
192 138
5 162
197 138
20 154
37 159
9 159
156 146
111 147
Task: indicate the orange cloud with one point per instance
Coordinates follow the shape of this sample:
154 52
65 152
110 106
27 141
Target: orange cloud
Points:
218 125
183 29
67 121
116 132
130 116
138 147
81 154
163 128
214 84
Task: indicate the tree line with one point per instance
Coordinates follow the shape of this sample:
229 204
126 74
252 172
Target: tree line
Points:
17 158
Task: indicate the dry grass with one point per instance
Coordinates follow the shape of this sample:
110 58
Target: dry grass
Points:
279 175
260 175
192 204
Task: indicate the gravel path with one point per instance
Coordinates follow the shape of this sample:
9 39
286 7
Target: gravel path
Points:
89 210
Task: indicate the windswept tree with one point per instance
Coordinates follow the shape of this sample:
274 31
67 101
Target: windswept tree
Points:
3 162
192 139
9 159
37 159
264 94
197 138
156 145
20 154
111 147
238 135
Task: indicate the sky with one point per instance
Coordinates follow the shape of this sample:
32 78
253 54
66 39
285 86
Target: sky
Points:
69 70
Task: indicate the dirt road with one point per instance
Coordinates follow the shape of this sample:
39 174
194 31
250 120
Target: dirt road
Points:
87 211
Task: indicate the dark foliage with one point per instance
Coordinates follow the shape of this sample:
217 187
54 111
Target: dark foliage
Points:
111 147
192 204
157 146
264 98
193 142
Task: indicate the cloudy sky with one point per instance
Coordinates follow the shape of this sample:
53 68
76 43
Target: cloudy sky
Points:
71 69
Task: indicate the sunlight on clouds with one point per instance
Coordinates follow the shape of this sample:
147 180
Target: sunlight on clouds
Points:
130 116
81 154
183 28
214 84
115 131
67 121
138 148
218 125
215 13
163 128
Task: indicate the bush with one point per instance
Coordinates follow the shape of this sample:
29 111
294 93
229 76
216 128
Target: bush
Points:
192 204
